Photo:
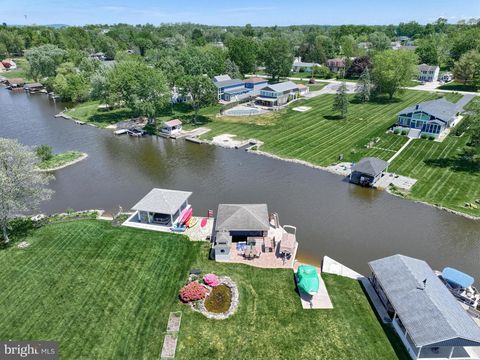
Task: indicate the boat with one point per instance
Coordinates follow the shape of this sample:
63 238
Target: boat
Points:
120 131
204 222
461 286
192 222
307 279
136 132
187 214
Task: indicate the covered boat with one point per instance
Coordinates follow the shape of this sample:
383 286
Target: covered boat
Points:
457 278
307 279
461 286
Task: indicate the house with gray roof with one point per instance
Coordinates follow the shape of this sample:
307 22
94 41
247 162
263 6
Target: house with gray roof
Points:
237 223
278 94
230 89
428 73
301 66
430 117
431 323
160 209
368 171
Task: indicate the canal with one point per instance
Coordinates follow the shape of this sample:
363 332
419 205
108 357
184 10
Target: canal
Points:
350 224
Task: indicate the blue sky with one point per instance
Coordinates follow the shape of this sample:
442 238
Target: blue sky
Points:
216 12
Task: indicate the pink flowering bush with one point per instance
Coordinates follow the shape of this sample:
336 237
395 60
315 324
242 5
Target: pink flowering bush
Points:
192 292
211 280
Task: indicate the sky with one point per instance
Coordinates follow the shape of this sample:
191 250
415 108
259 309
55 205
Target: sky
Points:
221 12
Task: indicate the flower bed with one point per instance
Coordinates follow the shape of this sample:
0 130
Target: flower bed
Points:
219 299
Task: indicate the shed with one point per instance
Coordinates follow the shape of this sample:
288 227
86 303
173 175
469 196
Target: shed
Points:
367 171
429 320
172 127
242 220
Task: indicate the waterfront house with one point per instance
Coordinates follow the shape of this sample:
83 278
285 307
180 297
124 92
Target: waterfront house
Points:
430 117
159 210
230 89
428 73
368 171
336 65
428 319
172 127
300 66
9 64
277 94
254 84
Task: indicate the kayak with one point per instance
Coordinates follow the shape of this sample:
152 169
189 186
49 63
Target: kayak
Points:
204 222
177 228
186 216
192 222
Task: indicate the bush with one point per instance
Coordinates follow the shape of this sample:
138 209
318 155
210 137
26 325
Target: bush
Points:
431 137
396 131
192 292
44 152
424 136
404 132
219 299
211 280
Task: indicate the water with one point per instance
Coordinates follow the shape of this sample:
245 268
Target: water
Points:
350 224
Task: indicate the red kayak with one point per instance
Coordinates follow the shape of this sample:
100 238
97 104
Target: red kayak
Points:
187 216
204 222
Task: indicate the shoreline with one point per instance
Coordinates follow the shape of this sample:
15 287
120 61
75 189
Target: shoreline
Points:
80 158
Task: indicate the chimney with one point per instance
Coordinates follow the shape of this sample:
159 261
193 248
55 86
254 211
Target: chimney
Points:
417 106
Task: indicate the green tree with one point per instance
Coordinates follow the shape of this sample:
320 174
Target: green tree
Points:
243 51
137 86
72 87
364 87
198 38
44 152
340 102
232 69
427 51
348 46
22 187
467 68
380 41
43 60
200 90
278 57
392 70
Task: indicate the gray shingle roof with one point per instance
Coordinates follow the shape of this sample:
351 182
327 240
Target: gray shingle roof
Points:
304 64
162 201
370 166
242 217
430 313
425 67
282 87
221 78
221 84
440 108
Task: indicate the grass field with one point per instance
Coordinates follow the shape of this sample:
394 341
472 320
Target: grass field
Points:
105 293
271 324
101 292
58 160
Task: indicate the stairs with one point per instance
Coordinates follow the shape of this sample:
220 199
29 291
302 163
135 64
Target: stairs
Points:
414 133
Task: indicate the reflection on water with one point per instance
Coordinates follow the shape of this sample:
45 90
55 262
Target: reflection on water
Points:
348 223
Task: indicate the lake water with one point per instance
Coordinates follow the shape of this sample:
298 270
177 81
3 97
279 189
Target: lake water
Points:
350 224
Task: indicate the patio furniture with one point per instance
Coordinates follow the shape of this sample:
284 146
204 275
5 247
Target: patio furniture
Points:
250 253
269 244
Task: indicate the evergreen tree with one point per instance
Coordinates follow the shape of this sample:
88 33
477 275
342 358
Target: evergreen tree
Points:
364 87
340 103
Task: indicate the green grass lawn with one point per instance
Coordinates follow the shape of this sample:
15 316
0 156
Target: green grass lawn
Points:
457 86
101 292
58 160
271 324
106 292
19 72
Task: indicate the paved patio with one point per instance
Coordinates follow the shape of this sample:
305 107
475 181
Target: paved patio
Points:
320 300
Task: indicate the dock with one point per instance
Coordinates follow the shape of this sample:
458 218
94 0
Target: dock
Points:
320 300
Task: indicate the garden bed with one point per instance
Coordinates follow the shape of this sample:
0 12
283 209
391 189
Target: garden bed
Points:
210 310
219 299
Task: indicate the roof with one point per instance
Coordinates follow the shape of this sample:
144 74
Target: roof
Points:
439 108
337 61
162 201
370 166
16 81
427 309
174 122
33 85
255 80
425 67
282 87
304 64
242 217
221 78
225 83
302 86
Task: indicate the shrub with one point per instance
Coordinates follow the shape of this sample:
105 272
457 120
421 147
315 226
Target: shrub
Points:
192 292
219 299
211 280
396 131
424 136
431 137
404 132
44 152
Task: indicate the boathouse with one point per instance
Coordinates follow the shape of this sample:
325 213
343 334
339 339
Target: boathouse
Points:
160 208
172 127
428 319
367 171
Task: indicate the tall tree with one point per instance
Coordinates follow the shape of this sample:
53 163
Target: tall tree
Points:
364 87
379 41
200 90
340 102
44 59
242 50
278 57
392 70
22 187
467 68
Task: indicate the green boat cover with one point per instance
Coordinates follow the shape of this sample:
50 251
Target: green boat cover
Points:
307 279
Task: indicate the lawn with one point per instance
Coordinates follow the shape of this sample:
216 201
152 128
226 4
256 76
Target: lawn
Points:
101 292
271 324
318 136
58 160
458 86
106 292
443 177
19 72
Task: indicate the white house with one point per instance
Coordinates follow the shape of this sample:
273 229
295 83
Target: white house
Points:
300 66
428 73
172 127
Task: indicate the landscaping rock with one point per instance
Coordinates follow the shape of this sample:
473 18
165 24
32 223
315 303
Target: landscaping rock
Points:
23 245
225 280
